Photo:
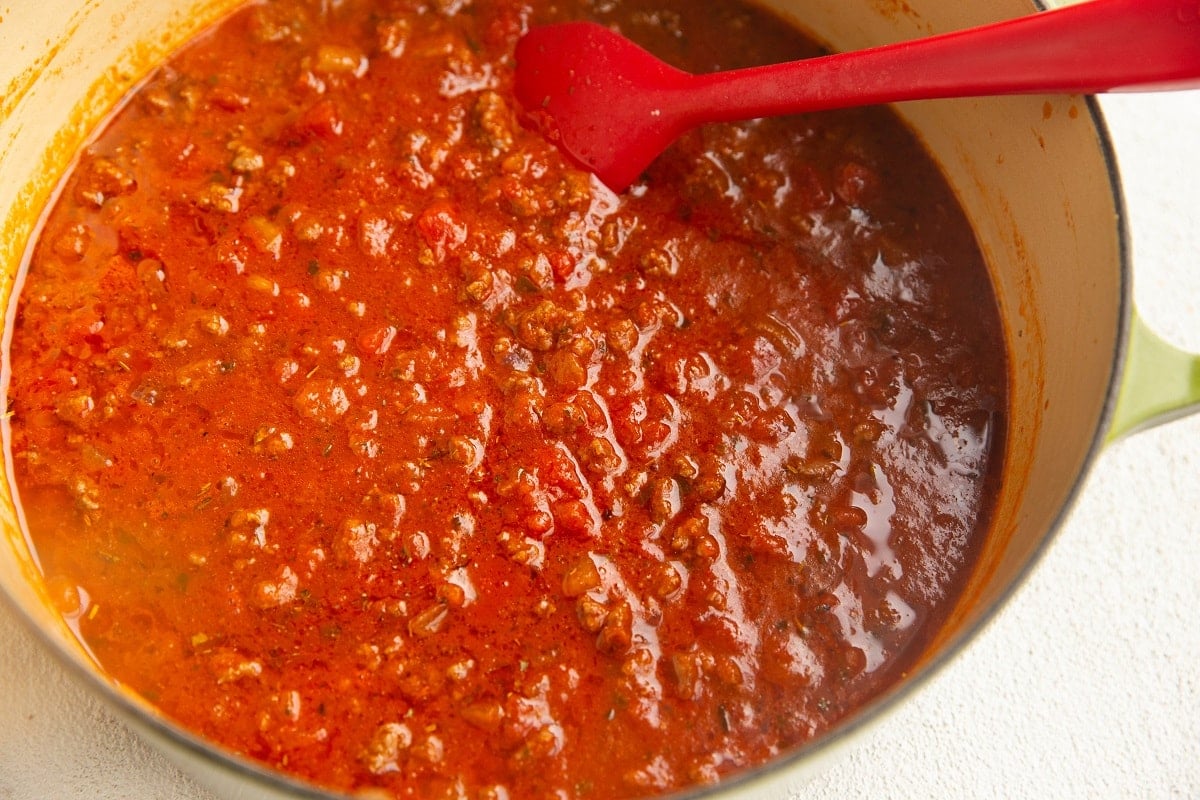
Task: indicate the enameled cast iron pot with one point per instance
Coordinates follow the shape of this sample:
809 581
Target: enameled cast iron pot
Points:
1035 175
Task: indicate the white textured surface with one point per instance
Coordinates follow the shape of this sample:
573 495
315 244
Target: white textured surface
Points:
1086 686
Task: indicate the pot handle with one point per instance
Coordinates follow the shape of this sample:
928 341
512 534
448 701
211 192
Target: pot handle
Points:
1160 383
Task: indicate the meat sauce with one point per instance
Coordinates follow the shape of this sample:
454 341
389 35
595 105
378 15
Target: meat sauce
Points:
364 436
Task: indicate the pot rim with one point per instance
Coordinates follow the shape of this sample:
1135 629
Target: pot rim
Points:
143 717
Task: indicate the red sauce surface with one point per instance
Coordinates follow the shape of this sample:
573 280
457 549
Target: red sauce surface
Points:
364 436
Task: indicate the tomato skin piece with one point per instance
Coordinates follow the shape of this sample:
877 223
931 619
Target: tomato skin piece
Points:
322 121
442 229
377 342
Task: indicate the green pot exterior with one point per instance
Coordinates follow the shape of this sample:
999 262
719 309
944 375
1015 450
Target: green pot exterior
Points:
1160 383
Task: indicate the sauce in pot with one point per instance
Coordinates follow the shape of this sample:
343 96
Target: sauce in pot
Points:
364 436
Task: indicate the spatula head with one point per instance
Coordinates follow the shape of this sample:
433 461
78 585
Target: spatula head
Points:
605 102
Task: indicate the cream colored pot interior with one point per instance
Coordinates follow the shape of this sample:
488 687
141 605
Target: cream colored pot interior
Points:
1033 174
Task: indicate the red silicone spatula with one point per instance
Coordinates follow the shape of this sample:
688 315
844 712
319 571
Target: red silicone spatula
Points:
613 107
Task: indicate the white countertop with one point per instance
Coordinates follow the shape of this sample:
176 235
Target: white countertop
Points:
1086 686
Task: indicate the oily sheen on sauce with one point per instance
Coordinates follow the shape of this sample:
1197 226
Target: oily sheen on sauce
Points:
364 436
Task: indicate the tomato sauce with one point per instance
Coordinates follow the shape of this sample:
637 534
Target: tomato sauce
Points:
364 436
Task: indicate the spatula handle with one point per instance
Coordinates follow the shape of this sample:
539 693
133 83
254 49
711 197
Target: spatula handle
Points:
1091 47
